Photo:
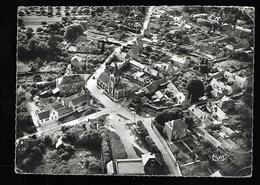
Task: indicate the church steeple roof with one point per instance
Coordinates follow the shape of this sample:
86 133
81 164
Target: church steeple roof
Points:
116 71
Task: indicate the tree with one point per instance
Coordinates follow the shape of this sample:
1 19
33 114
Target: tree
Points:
55 28
23 52
208 91
20 22
93 13
21 13
91 139
39 29
34 91
190 122
248 97
33 43
72 32
54 41
29 33
158 127
168 115
100 9
95 166
195 88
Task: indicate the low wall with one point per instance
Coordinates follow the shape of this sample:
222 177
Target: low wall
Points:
166 147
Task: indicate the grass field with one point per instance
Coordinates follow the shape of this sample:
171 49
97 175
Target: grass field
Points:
118 149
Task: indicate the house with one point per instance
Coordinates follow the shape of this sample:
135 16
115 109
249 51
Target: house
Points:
242 30
61 110
216 174
77 61
195 110
176 93
151 71
226 28
48 114
70 84
212 50
87 47
153 87
79 103
175 129
136 65
216 73
234 47
239 81
152 164
220 88
120 56
179 62
227 130
217 113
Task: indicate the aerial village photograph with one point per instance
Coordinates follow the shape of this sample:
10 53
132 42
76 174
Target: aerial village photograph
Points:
135 90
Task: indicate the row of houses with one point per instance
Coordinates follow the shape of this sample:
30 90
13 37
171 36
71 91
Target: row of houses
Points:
65 106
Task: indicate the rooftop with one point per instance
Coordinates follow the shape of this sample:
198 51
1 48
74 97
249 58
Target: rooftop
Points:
43 115
104 77
130 166
80 99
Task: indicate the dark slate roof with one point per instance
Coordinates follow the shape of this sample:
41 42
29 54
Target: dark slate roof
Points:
44 114
104 77
63 110
71 79
147 157
155 85
80 99
116 71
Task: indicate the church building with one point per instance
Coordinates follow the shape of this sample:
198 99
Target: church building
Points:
112 84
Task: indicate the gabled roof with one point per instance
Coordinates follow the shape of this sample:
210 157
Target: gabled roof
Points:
70 79
77 58
80 99
44 114
116 71
178 59
216 174
137 64
148 156
63 110
104 77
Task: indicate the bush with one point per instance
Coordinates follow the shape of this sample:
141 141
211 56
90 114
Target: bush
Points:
42 147
141 130
151 145
65 156
168 115
91 139
95 167
47 141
